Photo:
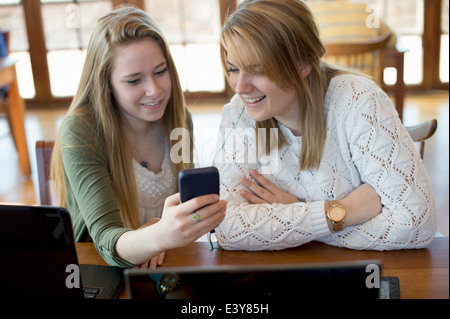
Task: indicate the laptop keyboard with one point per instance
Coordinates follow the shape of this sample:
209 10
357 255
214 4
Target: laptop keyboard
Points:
90 292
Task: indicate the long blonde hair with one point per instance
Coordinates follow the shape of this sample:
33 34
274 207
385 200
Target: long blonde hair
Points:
281 37
124 25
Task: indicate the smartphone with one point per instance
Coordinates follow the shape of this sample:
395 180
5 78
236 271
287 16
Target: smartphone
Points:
194 182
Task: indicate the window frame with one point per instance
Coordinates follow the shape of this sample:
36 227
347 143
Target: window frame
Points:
431 39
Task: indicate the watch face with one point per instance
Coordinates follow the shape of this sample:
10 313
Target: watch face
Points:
337 214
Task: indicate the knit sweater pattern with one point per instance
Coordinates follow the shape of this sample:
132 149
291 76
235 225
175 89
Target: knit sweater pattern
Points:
365 143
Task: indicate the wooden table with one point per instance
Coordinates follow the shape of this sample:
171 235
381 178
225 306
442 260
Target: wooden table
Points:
423 273
8 76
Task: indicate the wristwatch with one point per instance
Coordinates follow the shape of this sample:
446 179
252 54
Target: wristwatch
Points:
336 215
169 282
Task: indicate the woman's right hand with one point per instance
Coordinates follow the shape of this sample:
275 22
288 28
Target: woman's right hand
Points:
178 222
157 260
176 228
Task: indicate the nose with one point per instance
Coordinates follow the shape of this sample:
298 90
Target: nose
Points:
243 83
152 88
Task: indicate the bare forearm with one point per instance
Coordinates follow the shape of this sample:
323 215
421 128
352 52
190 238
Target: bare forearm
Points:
138 246
360 205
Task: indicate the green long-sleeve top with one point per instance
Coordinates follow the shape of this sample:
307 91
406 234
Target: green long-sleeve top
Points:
90 196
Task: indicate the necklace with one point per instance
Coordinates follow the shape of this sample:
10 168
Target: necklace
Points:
150 135
143 162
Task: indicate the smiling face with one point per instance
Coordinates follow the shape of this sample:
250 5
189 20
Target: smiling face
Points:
262 97
140 81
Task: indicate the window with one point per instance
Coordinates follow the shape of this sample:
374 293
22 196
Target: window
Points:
67 28
49 64
192 29
406 19
411 21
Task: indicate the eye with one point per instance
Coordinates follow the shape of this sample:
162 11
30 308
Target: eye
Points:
133 82
232 69
161 72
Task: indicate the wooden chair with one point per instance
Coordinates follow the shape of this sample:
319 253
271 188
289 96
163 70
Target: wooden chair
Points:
351 41
421 132
44 151
362 56
4 96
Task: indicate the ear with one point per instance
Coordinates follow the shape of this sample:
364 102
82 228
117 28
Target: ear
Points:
305 70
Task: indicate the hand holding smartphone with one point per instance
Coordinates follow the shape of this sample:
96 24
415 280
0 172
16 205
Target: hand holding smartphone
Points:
194 182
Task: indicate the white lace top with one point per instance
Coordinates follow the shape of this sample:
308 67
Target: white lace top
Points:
154 188
365 143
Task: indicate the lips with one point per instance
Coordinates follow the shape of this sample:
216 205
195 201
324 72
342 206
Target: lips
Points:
255 100
152 105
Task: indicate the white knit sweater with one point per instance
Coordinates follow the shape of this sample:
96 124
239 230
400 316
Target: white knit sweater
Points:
365 143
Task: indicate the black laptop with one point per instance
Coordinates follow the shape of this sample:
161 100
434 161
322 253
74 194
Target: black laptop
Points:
340 280
38 259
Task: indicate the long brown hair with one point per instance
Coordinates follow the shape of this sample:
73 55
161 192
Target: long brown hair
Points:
281 37
120 27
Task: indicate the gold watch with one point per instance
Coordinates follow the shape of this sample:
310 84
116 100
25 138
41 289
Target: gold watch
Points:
336 215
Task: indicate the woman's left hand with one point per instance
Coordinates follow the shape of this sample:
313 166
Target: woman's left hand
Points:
265 192
154 262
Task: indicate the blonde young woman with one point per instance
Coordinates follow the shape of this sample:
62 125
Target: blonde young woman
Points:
339 167
112 162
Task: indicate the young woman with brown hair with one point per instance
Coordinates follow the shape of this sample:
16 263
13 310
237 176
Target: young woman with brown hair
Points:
112 162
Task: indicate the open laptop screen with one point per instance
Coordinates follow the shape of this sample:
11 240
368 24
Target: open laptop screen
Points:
37 245
38 258
295 281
